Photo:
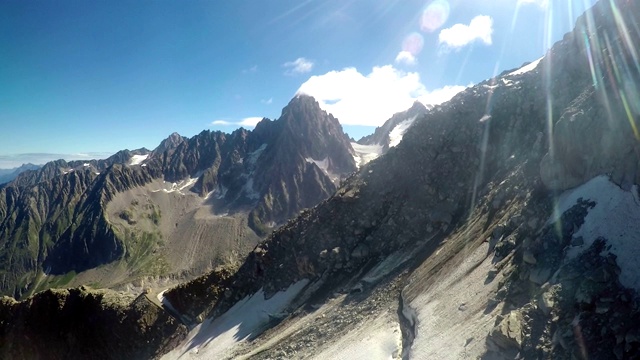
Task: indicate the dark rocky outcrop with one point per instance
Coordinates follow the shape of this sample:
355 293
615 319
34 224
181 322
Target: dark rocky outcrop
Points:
86 324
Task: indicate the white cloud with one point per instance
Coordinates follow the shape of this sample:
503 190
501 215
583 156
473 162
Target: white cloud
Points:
542 3
298 66
250 121
247 122
438 96
250 70
405 57
267 102
357 99
480 28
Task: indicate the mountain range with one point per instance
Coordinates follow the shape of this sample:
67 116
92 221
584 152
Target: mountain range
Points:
7 175
499 225
184 207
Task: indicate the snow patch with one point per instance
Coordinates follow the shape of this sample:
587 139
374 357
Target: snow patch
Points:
525 69
215 338
138 159
395 136
177 187
221 192
507 82
167 304
324 166
366 153
255 155
380 338
615 217
86 164
249 191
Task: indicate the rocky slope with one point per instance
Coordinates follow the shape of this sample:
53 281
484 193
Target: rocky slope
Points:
136 211
493 262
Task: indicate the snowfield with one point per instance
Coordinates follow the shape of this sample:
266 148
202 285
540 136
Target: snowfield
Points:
395 136
215 339
178 187
525 69
451 317
365 153
138 159
616 217
380 339
324 166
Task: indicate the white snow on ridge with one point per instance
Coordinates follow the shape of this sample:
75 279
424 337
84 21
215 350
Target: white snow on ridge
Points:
215 338
615 217
138 159
395 136
365 153
525 69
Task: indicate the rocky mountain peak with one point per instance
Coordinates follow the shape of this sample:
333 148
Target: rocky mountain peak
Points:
315 134
391 132
170 143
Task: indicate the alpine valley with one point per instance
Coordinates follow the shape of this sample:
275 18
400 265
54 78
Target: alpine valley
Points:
502 224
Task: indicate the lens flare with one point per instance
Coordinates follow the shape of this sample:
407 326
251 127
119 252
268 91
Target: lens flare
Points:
435 15
413 43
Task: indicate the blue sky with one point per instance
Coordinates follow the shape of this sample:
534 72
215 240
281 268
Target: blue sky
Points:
87 78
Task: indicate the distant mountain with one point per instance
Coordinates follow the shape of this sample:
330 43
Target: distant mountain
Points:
7 175
388 135
188 205
391 132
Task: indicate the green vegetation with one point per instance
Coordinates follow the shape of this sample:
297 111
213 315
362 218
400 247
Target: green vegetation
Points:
127 215
142 256
43 282
155 215
257 225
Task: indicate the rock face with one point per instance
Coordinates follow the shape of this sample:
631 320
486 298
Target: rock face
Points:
593 95
85 324
53 221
